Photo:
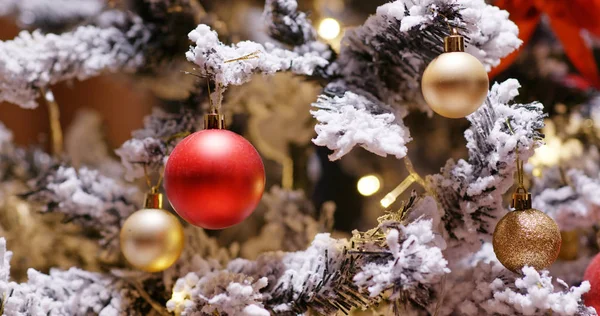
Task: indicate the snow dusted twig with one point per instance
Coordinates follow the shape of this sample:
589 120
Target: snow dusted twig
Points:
383 60
471 191
213 58
572 206
286 24
35 60
487 288
151 145
386 55
352 119
86 198
49 15
327 277
72 292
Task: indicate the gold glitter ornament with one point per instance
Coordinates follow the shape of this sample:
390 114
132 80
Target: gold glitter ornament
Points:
526 238
152 239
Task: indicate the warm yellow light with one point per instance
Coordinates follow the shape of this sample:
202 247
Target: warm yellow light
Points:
537 172
329 28
368 185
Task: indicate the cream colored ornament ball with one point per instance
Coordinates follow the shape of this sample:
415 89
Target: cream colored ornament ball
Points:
526 238
152 239
455 84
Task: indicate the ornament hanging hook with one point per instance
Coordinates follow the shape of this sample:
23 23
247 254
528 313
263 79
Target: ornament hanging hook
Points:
154 199
521 197
454 42
213 119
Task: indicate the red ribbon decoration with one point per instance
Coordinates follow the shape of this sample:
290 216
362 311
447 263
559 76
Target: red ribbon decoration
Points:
567 19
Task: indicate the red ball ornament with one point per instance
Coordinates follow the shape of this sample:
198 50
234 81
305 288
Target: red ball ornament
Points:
592 274
214 178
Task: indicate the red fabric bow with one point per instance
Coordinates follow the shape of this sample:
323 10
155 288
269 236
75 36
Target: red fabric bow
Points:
567 19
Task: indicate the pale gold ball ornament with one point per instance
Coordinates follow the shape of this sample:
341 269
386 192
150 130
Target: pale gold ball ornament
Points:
152 239
455 84
526 237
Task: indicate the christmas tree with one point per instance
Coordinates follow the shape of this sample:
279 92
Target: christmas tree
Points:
458 106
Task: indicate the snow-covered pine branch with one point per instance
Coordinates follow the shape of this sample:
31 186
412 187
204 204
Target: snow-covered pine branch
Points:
286 24
387 54
35 60
381 62
71 292
328 277
51 15
86 198
572 206
216 59
471 191
484 287
152 144
352 119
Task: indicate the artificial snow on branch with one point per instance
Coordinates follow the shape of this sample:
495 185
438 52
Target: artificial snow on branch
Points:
352 119
286 24
471 191
485 287
235 64
328 277
49 15
151 145
387 54
72 292
86 198
572 206
35 60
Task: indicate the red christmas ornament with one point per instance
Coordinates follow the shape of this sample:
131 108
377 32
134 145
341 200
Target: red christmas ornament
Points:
214 178
592 274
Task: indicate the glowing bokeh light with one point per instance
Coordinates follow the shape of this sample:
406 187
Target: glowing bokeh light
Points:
329 28
368 185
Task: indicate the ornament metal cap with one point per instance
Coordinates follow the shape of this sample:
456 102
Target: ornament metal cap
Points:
521 199
153 200
214 121
454 42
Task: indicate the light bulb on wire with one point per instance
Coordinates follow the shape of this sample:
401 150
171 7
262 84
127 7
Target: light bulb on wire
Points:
368 185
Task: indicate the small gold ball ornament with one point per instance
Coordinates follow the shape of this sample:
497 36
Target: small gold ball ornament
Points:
526 237
152 239
455 84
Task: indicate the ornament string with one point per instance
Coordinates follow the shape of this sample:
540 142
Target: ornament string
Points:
153 188
521 197
520 172
54 118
